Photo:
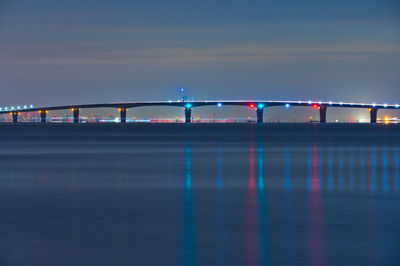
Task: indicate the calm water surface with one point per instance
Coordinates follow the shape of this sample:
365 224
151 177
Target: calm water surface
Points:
146 194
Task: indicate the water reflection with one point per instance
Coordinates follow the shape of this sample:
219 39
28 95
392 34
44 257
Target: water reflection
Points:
396 171
252 222
373 169
330 169
287 168
362 169
316 245
189 245
351 169
385 170
340 170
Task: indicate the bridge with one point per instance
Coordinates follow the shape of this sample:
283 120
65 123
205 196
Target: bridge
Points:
258 106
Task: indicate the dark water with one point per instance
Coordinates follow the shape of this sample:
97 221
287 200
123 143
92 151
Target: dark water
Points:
278 194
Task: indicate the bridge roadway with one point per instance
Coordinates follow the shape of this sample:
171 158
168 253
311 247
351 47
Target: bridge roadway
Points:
258 106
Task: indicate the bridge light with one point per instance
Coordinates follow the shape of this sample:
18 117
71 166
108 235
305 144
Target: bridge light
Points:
316 106
330 103
397 106
188 105
260 106
219 104
341 103
385 105
72 109
309 102
40 111
47 112
287 105
370 109
374 104
18 107
25 106
169 101
320 102
6 108
119 109
31 106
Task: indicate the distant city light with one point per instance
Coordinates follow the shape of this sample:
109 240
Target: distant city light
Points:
31 106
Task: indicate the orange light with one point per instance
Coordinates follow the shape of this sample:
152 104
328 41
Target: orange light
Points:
73 109
40 111
119 109
370 109
47 112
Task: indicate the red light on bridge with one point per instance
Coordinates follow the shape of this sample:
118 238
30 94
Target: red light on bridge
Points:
252 105
316 106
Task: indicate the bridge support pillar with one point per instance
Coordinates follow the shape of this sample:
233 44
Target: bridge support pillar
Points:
260 115
43 114
374 114
188 115
15 116
75 112
122 112
322 113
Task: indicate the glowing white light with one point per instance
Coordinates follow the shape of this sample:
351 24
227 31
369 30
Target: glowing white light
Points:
299 102
25 106
397 106
319 102
309 102
374 104
385 105
219 104
287 105
330 103
170 101
6 108
18 107
0 108
31 106
341 103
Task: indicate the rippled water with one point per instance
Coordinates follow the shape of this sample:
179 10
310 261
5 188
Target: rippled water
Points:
147 194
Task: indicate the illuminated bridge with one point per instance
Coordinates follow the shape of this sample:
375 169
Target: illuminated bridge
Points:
188 106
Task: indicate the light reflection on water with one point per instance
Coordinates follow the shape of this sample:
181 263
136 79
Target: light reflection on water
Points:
250 195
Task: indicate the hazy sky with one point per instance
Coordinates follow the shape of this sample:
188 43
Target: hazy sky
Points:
63 52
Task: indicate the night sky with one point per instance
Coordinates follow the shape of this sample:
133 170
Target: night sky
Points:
64 52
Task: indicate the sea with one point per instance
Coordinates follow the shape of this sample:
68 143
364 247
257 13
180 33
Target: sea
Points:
199 194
